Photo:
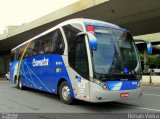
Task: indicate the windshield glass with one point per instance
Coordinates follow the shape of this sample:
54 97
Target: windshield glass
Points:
115 54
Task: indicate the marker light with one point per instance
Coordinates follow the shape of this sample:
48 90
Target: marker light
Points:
90 28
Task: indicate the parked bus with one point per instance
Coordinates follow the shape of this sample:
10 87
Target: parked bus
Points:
81 59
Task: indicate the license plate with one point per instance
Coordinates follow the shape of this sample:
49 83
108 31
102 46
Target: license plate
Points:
124 95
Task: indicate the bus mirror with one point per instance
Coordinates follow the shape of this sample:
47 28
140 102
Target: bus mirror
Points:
149 47
92 41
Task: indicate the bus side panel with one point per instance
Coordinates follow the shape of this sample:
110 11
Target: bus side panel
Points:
13 69
43 72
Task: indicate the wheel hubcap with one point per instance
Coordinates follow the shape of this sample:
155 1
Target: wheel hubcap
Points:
66 92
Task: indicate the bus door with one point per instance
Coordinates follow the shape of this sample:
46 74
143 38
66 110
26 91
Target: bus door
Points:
79 68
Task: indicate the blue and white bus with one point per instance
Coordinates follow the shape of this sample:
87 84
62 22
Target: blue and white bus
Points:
81 59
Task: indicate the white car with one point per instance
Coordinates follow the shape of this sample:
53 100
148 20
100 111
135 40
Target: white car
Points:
7 76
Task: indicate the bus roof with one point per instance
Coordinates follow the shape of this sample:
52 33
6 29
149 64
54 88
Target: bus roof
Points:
93 22
75 20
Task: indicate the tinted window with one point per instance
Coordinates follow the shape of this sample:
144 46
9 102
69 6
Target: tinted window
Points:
16 56
13 54
57 42
71 31
51 43
20 51
78 56
30 51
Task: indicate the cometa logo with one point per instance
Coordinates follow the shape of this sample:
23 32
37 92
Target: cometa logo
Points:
43 62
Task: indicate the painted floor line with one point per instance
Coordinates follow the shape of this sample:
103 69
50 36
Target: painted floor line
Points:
151 94
3 81
143 108
152 87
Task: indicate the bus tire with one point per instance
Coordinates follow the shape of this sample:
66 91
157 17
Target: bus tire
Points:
17 82
21 87
64 92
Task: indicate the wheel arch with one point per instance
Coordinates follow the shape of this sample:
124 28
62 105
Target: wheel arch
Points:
69 84
15 78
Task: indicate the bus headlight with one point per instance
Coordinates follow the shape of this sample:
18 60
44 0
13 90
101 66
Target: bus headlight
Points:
102 84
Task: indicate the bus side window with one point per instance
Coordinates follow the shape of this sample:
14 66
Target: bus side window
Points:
13 53
57 42
60 43
36 47
71 31
41 46
26 52
47 46
78 56
20 52
16 55
31 49
47 43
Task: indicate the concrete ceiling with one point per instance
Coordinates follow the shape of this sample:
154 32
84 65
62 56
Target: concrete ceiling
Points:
138 16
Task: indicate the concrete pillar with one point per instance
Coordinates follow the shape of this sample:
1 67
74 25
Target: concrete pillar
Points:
2 65
7 62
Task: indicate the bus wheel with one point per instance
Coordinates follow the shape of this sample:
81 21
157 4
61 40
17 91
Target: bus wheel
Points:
64 92
20 84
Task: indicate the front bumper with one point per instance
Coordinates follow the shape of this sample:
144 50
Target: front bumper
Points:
98 94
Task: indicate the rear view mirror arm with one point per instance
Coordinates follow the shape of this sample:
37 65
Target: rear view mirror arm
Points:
141 41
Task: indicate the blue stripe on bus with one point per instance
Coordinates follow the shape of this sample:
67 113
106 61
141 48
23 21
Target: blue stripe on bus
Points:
43 72
34 74
122 85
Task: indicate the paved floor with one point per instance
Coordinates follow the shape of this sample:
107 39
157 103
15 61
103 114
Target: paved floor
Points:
14 100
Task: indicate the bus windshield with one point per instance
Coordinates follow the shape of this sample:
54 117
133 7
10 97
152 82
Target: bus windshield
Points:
116 55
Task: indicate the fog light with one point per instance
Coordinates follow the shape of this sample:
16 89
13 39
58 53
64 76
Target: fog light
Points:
102 84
